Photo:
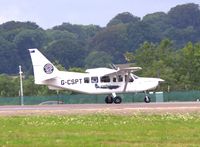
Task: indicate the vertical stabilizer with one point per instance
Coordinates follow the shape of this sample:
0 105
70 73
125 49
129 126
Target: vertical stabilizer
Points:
43 69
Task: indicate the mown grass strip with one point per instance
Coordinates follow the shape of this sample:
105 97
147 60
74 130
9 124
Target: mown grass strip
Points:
101 130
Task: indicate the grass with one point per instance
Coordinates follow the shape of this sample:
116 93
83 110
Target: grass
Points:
101 130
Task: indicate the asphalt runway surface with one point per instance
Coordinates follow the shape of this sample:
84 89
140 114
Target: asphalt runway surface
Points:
121 109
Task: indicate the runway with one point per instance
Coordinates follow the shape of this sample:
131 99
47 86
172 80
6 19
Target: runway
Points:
121 109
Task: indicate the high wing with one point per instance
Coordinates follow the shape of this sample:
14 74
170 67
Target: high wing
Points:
101 71
108 71
127 70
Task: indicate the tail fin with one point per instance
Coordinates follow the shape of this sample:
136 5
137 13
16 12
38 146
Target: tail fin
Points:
43 69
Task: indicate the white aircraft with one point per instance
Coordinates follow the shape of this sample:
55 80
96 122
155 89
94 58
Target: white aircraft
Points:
93 81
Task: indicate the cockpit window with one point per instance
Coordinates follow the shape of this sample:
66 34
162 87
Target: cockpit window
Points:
135 77
129 79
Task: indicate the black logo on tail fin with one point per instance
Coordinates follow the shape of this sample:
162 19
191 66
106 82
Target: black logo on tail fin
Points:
48 68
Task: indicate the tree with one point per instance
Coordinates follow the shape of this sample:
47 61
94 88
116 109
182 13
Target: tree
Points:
31 89
190 65
113 40
123 18
182 36
13 25
140 32
185 15
157 60
9 57
68 52
12 28
129 57
76 69
27 39
159 20
11 52
8 86
97 59
54 35
81 32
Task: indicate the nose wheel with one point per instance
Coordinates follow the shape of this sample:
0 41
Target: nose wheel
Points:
147 99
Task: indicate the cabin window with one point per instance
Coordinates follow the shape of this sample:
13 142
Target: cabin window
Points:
114 79
105 79
86 80
120 78
94 79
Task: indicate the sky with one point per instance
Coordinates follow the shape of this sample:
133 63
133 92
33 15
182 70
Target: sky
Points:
49 13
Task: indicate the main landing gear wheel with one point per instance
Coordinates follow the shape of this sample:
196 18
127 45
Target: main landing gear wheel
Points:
109 99
117 100
147 99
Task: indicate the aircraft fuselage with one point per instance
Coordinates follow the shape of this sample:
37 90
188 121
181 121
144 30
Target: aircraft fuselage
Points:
94 84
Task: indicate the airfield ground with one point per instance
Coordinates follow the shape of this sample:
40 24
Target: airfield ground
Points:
167 124
122 109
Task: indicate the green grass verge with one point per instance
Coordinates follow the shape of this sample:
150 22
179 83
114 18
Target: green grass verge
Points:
101 130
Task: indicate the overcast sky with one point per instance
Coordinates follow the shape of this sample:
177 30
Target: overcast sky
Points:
49 13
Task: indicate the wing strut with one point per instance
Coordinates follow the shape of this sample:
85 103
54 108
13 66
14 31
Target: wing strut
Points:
126 82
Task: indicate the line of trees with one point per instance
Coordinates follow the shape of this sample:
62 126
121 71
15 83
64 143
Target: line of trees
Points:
164 44
180 69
